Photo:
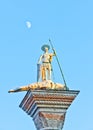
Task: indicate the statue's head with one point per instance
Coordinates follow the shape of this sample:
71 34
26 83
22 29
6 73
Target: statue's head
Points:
45 47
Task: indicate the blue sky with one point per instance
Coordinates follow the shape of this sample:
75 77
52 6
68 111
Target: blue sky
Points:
69 24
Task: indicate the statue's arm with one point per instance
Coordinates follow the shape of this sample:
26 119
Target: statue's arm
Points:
54 52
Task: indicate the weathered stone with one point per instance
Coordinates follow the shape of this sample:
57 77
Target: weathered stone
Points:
48 107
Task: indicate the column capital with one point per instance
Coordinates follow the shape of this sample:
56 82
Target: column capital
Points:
48 107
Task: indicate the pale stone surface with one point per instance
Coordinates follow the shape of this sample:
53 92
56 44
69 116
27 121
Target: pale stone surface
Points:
46 84
44 64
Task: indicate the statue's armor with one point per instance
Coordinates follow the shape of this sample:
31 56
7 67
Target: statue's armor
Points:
45 58
46 67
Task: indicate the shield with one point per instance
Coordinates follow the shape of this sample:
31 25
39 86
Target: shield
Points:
38 71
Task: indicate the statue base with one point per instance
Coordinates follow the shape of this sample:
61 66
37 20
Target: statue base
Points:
48 107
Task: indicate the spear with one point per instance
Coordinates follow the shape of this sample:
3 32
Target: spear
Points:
58 62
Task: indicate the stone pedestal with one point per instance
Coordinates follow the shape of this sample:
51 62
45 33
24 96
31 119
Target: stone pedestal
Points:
48 107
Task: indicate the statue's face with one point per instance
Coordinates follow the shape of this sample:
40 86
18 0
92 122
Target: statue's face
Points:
46 49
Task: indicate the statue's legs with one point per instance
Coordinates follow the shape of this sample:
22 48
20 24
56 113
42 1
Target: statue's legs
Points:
43 73
49 72
46 71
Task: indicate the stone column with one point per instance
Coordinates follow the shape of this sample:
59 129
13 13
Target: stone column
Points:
48 107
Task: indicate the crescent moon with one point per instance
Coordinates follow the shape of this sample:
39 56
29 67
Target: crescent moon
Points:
28 24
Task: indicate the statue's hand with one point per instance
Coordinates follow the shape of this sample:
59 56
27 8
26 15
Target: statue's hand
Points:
54 51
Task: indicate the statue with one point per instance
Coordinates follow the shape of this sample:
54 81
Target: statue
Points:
47 84
45 68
